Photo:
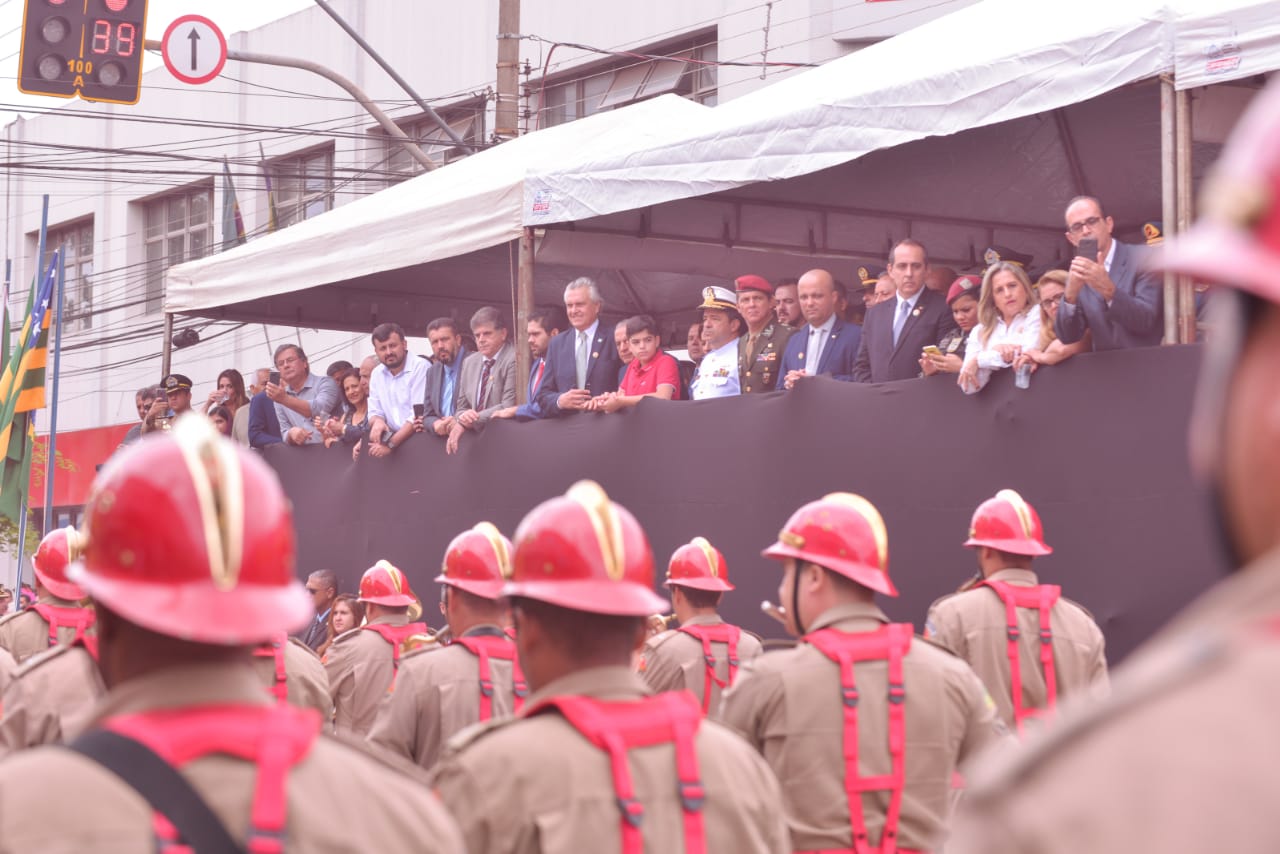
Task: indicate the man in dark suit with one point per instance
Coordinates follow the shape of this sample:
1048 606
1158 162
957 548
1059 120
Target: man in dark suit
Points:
1109 295
897 329
441 400
825 344
582 363
323 587
544 324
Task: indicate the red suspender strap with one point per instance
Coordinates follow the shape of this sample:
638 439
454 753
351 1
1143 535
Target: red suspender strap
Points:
484 647
58 616
275 738
275 648
889 643
396 636
616 727
1041 597
722 633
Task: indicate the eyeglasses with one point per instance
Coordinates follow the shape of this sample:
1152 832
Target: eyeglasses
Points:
1052 300
1091 222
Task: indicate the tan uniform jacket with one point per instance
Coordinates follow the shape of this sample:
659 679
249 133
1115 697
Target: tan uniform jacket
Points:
973 625
361 667
305 678
50 699
788 704
1180 757
536 786
339 798
26 633
8 667
437 694
672 661
759 361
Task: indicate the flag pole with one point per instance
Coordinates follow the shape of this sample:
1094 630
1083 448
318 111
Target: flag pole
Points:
22 534
52 446
22 523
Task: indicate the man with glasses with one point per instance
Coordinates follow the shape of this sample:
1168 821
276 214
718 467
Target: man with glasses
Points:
1110 294
301 397
322 585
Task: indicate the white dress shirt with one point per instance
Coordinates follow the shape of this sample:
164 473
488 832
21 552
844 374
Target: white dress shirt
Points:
717 374
817 342
1024 331
392 396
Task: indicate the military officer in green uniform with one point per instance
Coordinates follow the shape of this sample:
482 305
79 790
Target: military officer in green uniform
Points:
760 349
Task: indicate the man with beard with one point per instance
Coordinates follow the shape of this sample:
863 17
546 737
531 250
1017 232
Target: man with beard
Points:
786 303
442 380
544 324
399 382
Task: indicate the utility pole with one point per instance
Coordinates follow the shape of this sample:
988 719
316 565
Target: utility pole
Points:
506 109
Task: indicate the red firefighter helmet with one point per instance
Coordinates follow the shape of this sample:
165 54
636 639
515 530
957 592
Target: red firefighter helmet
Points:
1008 523
699 565
384 584
584 552
1236 241
842 532
189 535
58 549
478 561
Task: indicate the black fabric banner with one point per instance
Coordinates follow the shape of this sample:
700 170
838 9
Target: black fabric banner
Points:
1097 445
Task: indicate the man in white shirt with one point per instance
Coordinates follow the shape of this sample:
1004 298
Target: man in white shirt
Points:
717 374
394 387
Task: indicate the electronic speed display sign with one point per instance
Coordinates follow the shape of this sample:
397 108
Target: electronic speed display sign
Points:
89 48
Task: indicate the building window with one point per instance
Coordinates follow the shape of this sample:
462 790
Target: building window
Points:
303 186
686 69
77 309
466 122
178 228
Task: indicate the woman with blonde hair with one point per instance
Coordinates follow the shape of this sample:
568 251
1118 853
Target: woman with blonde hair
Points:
1008 324
1051 351
346 614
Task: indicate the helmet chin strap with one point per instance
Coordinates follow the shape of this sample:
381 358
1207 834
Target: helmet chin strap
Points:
795 599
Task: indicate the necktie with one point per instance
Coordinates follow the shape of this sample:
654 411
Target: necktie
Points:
815 352
900 320
484 383
582 359
446 394
537 380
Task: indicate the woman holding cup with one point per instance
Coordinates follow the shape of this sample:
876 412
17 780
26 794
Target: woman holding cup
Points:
230 394
1008 324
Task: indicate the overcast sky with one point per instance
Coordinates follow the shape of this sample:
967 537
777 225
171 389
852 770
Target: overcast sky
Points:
231 16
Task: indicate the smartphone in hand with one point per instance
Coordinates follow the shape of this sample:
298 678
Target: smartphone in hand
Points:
1087 248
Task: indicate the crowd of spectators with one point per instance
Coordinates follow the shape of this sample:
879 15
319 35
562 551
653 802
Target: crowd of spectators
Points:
909 320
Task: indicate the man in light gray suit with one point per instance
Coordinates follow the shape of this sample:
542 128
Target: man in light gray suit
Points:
1110 295
487 379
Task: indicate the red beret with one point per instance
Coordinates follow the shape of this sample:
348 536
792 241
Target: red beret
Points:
753 283
970 285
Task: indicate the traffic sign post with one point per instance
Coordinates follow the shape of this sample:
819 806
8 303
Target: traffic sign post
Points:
194 49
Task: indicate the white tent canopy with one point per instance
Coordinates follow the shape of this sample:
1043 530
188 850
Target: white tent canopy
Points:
968 131
467 207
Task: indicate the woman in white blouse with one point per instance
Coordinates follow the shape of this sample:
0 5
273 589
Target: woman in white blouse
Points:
1008 323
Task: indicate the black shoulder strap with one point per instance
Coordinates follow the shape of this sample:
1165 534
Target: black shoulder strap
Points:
162 786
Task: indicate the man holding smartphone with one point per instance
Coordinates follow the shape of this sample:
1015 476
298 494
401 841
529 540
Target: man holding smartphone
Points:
300 396
1108 292
396 386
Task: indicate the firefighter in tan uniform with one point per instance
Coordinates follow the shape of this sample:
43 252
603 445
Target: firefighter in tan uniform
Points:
1182 756
1030 646
703 655
864 723
57 615
8 667
189 558
50 698
294 674
477 677
594 761
362 663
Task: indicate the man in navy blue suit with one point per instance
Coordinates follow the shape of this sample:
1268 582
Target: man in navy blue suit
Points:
825 344
544 324
897 329
1109 295
583 362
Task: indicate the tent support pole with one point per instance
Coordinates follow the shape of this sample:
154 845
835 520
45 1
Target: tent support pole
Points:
1186 293
524 307
166 353
1168 198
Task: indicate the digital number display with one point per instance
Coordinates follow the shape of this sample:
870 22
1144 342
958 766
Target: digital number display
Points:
118 39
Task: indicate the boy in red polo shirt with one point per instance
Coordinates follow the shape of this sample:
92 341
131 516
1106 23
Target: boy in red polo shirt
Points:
652 373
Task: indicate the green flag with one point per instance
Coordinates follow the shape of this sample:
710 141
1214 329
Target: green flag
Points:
21 392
